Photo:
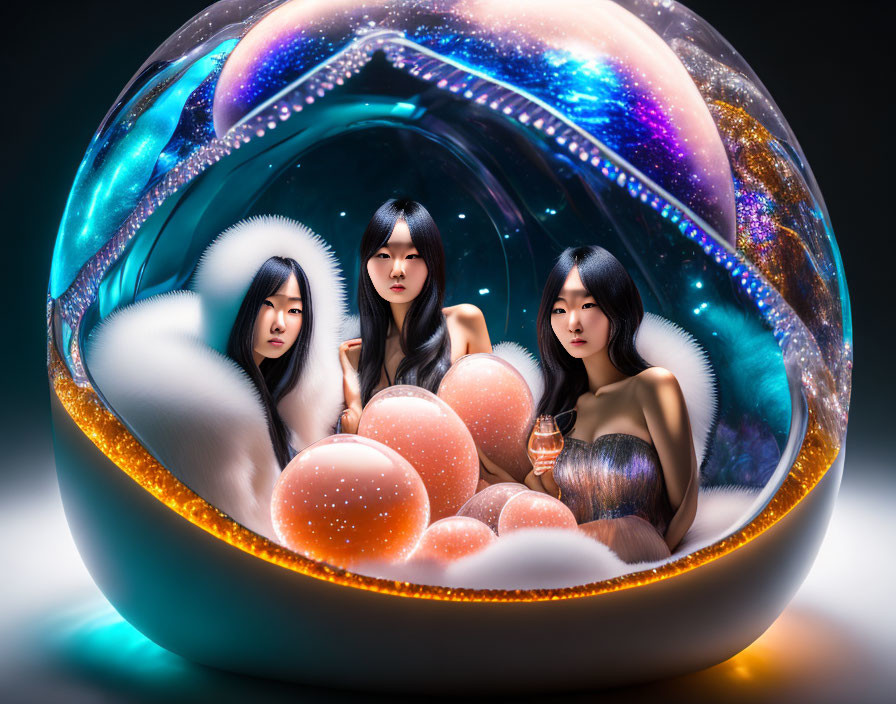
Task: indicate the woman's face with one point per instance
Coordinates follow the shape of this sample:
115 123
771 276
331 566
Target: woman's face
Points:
279 321
396 269
577 321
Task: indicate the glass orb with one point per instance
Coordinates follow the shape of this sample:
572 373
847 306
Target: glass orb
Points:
424 430
525 127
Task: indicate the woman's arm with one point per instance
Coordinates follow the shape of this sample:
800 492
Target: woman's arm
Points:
491 472
349 352
670 429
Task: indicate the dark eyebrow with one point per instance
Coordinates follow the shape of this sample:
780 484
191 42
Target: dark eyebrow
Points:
291 298
580 291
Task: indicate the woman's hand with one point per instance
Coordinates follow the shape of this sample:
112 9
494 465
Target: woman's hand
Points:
350 421
533 481
351 386
543 482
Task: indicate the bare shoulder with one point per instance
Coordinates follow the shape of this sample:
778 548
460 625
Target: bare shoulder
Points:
653 376
467 329
656 383
465 314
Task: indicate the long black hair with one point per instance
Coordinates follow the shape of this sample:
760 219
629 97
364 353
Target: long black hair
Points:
617 296
424 334
274 378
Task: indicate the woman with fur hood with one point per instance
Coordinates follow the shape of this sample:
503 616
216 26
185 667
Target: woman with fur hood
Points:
226 382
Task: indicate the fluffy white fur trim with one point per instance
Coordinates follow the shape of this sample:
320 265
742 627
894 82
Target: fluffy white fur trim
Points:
663 344
191 407
720 511
351 327
222 280
525 363
533 558
552 558
160 365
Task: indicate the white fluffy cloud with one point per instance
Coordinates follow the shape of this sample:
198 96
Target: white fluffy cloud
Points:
534 558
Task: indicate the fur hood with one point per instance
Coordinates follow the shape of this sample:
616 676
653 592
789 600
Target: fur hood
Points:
662 343
160 364
222 280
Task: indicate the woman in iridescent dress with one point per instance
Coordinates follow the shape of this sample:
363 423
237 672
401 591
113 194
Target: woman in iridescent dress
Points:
628 469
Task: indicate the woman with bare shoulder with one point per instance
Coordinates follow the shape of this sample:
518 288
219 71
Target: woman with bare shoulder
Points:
628 469
407 337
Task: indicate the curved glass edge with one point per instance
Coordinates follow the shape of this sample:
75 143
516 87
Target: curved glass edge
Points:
735 93
219 22
150 136
108 185
186 161
510 103
830 420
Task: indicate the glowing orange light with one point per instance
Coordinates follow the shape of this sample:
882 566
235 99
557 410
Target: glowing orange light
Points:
818 451
348 498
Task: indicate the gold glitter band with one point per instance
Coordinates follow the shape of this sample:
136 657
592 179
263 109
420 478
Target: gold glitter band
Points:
109 435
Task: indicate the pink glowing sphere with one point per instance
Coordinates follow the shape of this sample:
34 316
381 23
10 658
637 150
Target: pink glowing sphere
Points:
532 509
424 430
486 505
453 538
495 402
348 498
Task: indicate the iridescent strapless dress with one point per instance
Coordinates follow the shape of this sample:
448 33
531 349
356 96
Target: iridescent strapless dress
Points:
616 475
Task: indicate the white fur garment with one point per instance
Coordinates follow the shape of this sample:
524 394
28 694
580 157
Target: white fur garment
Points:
160 365
525 363
662 343
222 280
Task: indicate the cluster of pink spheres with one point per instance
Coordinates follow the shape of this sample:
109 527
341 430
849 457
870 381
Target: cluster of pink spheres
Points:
406 485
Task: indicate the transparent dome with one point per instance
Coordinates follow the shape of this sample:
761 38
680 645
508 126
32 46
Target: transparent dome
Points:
628 124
